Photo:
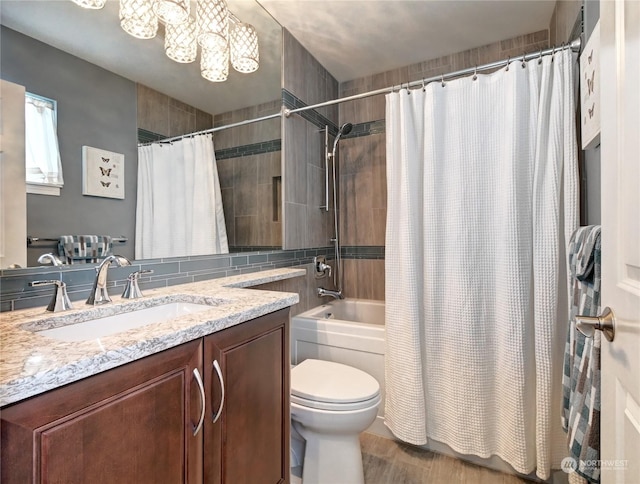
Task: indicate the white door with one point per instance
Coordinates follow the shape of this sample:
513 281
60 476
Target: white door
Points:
620 149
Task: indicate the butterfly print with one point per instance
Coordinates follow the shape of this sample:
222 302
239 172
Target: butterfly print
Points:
105 184
105 171
591 82
591 110
105 160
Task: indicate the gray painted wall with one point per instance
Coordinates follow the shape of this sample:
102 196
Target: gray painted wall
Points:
95 108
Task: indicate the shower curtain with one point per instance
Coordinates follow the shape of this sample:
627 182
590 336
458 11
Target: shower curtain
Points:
482 201
179 207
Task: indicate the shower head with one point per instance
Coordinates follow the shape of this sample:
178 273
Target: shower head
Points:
345 129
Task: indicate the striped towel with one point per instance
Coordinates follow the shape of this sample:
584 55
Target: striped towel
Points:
581 378
84 249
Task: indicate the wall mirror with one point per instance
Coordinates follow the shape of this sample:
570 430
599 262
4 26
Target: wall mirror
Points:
106 83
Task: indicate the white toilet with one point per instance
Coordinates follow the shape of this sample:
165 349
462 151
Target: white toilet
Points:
331 404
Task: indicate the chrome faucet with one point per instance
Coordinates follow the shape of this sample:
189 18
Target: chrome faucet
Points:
50 258
132 290
60 300
99 294
327 292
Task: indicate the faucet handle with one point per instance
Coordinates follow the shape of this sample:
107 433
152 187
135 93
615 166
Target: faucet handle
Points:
132 290
60 300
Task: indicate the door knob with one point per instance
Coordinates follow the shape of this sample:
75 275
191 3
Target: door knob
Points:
606 323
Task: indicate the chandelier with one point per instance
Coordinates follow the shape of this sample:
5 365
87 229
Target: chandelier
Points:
223 39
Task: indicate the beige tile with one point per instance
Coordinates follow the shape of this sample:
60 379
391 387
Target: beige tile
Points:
153 110
203 120
245 230
295 182
229 216
225 173
181 121
295 215
379 222
245 178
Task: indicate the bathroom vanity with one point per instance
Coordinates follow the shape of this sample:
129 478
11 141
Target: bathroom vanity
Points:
213 409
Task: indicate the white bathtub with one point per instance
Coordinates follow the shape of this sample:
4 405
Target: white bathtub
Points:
348 331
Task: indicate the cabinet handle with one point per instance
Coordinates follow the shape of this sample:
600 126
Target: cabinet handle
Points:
197 428
216 367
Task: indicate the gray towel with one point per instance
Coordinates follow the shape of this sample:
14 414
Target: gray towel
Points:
84 249
581 378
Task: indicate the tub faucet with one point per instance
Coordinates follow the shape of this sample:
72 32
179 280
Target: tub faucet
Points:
327 292
99 294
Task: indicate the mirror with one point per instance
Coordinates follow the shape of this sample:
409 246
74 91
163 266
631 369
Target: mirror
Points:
110 86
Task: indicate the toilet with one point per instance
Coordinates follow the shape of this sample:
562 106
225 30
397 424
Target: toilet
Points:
331 404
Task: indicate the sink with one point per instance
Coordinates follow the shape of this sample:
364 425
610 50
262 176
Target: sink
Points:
104 326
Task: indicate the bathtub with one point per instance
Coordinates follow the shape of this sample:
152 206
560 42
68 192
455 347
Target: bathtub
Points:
348 331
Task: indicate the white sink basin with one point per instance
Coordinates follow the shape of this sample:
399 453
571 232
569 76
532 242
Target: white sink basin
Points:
98 327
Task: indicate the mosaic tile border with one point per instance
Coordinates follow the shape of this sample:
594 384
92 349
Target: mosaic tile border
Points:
363 252
250 149
290 101
270 146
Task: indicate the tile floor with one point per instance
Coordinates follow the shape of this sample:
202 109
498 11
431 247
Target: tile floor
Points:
391 462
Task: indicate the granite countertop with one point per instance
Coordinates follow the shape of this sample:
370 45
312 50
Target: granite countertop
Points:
31 363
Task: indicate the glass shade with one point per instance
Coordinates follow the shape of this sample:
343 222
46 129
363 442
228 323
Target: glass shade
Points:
138 19
212 18
245 57
90 3
172 12
214 63
180 42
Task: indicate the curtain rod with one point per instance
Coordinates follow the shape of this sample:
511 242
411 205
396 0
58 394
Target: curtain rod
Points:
574 46
213 130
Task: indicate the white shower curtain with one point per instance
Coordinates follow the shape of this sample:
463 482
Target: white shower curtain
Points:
179 208
482 201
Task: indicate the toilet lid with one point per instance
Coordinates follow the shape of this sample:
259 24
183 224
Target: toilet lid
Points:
330 382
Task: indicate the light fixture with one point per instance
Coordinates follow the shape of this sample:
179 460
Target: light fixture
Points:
214 63
213 24
245 56
180 42
172 12
95 4
222 37
138 19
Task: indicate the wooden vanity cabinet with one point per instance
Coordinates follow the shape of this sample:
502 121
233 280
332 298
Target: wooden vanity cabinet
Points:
130 424
135 423
249 443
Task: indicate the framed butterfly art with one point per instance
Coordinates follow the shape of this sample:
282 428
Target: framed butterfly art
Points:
102 173
590 91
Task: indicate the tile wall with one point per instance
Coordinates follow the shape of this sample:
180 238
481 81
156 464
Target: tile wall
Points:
165 116
250 170
305 82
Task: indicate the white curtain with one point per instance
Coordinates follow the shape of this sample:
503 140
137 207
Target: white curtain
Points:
482 202
179 207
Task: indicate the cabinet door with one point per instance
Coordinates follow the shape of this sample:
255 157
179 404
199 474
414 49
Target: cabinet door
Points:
249 443
131 424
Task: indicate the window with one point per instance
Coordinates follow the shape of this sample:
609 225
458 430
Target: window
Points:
42 155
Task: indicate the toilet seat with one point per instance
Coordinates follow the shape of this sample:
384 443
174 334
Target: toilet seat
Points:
326 385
